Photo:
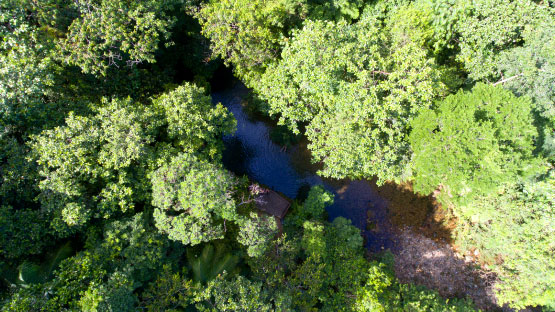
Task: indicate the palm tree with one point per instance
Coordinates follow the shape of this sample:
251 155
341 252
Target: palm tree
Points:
212 261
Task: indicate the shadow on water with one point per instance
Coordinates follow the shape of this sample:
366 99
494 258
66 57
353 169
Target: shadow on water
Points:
419 212
250 151
222 79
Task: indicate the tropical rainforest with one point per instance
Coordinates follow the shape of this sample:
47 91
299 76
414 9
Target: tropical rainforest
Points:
114 197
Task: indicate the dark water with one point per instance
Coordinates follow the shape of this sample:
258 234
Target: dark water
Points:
250 151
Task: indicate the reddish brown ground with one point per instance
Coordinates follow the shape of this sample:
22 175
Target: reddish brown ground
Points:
425 252
434 264
421 213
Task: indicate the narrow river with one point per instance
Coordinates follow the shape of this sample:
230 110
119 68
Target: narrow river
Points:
250 151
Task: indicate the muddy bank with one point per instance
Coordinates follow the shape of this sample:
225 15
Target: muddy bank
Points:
425 252
434 264
421 213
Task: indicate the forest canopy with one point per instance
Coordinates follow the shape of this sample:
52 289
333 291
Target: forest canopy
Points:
113 191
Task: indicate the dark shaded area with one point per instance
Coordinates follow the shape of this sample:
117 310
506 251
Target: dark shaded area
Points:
222 79
188 58
422 213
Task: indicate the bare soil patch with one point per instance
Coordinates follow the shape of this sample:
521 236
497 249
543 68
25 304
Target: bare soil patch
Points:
425 251
434 264
424 213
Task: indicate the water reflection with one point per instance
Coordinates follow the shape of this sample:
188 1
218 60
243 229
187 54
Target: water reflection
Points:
250 151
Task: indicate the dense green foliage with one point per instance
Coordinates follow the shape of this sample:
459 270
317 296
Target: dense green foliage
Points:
492 26
115 33
251 34
520 216
90 167
193 199
475 146
113 195
247 33
193 123
356 87
472 143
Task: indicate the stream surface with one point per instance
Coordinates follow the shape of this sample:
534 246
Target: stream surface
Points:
251 152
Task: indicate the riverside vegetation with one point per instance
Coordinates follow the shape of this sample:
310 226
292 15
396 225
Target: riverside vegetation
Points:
113 195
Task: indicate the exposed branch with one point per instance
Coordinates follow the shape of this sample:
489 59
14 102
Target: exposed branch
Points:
508 79
381 72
